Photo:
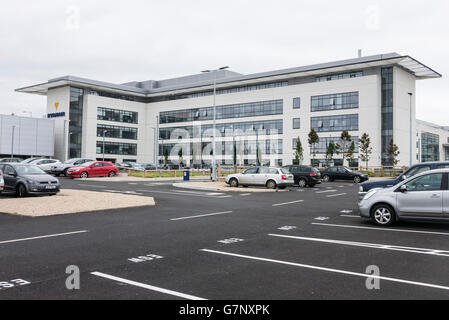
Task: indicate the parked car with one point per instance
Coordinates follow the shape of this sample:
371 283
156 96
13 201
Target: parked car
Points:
45 164
262 176
412 171
93 169
343 173
123 164
2 182
304 175
25 179
424 196
62 168
10 160
29 160
136 166
149 166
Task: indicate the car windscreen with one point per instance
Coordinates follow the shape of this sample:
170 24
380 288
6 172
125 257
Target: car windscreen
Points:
28 170
70 161
284 171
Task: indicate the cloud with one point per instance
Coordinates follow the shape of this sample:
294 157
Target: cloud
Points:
140 40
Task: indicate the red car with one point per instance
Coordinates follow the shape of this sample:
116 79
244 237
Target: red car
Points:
93 169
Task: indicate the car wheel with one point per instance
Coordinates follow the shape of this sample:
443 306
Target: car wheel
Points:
234 183
302 183
21 191
271 184
357 179
84 175
383 215
111 174
326 178
65 172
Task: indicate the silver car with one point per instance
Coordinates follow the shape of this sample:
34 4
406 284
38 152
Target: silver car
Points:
270 177
2 182
421 197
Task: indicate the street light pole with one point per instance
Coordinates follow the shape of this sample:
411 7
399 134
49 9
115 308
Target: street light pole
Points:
156 141
104 131
411 133
214 160
12 142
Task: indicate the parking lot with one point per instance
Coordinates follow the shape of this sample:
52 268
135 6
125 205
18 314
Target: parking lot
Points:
308 243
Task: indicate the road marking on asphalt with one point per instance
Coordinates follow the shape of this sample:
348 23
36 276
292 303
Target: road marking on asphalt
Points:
325 191
92 185
435 252
285 203
308 266
43 237
182 194
349 216
322 218
200 192
124 192
336 195
382 229
346 211
300 190
201 215
245 194
287 228
146 286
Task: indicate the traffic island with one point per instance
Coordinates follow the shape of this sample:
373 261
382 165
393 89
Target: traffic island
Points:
222 186
71 201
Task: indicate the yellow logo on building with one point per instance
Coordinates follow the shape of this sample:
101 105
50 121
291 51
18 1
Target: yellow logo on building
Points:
56 105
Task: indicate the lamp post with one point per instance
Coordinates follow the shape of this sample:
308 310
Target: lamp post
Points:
68 148
156 141
154 145
214 160
104 131
12 142
411 134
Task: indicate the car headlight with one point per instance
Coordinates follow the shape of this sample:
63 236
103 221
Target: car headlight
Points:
31 181
360 189
369 194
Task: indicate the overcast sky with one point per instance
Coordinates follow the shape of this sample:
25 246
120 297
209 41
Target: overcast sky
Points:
142 40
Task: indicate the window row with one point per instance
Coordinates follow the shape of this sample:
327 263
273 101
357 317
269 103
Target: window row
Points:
116 132
349 122
268 127
262 108
337 101
339 76
117 115
117 148
321 146
223 147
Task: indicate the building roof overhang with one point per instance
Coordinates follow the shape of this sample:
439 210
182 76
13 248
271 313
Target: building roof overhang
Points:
407 63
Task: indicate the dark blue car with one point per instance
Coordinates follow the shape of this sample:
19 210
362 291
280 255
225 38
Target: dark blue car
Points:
412 171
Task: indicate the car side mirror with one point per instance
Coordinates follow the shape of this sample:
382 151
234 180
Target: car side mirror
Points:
403 188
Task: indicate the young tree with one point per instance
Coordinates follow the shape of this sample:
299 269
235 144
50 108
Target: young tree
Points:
299 152
331 149
343 146
234 153
258 156
365 148
180 156
313 140
393 153
350 154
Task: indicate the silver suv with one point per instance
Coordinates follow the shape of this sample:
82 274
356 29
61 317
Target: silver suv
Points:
270 177
421 197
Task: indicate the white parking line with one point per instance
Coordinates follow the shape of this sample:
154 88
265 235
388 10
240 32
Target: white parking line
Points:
245 194
42 237
382 229
182 194
285 203
436 252
325 191
349 216
146 286
336 195
92 185
201 215
307 266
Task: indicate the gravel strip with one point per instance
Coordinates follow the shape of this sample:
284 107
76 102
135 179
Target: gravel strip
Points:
71 201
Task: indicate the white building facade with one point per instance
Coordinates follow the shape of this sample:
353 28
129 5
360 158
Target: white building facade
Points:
259 113
25 136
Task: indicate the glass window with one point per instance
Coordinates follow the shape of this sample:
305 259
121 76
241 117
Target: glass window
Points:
428 182
430 147
8 170
337 101
349 122
116 115
251 171
414 171
296 123
296 103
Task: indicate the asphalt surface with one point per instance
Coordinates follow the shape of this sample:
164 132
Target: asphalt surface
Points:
304 244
